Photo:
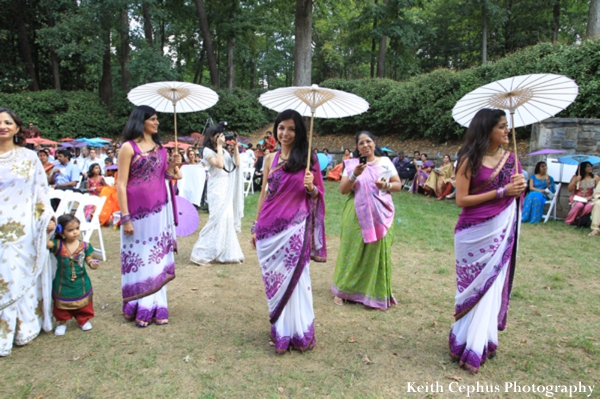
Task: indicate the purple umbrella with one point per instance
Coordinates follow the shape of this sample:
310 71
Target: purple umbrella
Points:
188 217
546 151
111 167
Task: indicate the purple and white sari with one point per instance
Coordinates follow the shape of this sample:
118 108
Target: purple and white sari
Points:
147 256
485 241
289 233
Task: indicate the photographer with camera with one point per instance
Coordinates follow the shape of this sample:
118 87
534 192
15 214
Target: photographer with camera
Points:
218 240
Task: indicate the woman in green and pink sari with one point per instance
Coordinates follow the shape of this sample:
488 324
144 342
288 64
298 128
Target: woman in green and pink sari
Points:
363 272
288 233
485 238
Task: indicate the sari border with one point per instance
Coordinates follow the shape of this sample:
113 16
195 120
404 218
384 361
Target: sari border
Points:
495 173
153 291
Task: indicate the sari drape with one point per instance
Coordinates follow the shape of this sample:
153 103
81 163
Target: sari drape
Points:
436 183
421 177
147 256
290 232
363 271
485 240
26 267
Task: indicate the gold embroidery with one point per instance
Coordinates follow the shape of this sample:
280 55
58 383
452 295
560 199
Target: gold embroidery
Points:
39 309
11 231
4 329
22 169
3 287
39 210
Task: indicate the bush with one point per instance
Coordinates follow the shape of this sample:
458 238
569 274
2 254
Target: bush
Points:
60 114
422 106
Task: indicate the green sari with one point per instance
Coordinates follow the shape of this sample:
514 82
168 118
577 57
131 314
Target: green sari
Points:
363 272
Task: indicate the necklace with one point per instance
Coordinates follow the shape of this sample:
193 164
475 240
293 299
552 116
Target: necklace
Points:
491 154
282 158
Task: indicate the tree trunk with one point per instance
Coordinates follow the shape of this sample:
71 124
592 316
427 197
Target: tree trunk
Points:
230 64
200 69
105 89
484 34
147 23
210 54
556 20
54 62
373 47
303 43
381 57
25 51
124 50
593 26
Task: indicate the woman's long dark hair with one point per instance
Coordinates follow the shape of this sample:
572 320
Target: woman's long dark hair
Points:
135 125
299 154
582 167
20 133
477 139
538 166
208 135
378 151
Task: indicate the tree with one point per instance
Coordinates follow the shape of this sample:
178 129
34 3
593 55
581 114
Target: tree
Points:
303 43
593 26
208 45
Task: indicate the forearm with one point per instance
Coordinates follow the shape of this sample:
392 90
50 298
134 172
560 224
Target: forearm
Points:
346 185
122 196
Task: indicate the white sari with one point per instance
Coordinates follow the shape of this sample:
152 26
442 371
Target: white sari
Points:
25 264
218 240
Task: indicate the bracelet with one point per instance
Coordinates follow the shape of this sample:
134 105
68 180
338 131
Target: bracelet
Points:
500 192
389 186
313 192
169 176
125 218
353 177
253 228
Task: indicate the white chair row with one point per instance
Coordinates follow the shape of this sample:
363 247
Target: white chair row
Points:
77 203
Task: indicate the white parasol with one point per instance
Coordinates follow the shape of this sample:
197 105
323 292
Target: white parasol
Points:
314 101
528 98
174 97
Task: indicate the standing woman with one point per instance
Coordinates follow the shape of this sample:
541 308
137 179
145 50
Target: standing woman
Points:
288 232
218 240
25 220
148 238
485 238
363 272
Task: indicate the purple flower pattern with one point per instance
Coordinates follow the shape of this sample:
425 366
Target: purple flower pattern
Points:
162 247
130 262
293 250
273 281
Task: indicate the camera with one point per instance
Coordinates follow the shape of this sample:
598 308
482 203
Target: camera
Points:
221 129
230 136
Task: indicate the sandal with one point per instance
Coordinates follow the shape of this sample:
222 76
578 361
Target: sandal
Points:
338 301
594 233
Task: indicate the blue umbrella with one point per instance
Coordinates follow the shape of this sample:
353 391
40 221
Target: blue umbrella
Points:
576 159
323 161
385 149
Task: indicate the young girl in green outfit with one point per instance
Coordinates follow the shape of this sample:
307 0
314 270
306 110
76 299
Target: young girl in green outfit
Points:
72 287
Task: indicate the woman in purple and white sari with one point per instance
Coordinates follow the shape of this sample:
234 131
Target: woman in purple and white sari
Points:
485 239
148 240
288 233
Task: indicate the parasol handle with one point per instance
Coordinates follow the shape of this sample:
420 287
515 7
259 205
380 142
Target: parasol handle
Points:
175 122
514 137
312 118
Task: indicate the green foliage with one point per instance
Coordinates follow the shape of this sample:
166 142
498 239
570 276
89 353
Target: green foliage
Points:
422 106
74 114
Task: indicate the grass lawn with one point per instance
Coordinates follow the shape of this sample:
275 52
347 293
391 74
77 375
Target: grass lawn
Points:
216 344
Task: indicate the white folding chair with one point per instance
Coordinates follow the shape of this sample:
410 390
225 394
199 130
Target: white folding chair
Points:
248 183
407 184
59 195
561 173
552 204
86 227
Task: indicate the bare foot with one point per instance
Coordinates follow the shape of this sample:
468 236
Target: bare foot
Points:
338 301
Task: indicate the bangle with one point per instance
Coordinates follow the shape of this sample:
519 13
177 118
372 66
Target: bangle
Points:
169 176
389 186
500 192
353 177
125 218
253 228
313 192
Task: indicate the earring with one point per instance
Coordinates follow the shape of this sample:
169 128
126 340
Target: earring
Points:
15 139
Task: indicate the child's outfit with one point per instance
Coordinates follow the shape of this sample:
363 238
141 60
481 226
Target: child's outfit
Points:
72 287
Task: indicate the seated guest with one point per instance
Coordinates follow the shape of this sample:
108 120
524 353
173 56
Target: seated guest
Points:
43 155
422 175
336 173
416 161
329 160
65 175
95 181
596 212
439 182
107 162
406 170
541 188
258 170
582 187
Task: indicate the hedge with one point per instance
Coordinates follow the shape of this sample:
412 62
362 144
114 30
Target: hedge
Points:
59 114
422 106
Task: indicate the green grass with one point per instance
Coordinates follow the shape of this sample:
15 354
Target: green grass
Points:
219 323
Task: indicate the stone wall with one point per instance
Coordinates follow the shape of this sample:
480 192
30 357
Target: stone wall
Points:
571 135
